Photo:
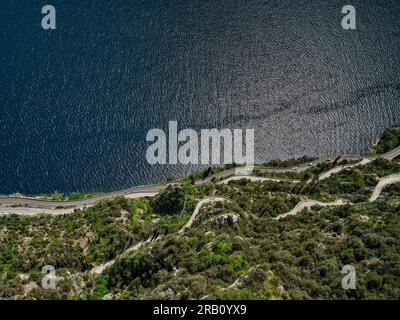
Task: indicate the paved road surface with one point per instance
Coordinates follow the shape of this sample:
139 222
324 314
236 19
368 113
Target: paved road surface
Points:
337 169
135 192
254 179
151 190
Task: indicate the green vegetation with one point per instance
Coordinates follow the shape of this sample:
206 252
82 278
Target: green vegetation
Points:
389 140
168 201
255 257
276 162
233 250
58 196
203 174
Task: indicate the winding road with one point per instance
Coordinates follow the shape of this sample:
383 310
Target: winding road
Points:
97 270
308 204
198 207
255 179
297 209
337 169
383 182
32 206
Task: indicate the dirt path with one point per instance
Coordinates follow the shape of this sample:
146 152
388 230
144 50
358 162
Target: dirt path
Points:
100 268
383 182
394 178
198 207
307 204
298 208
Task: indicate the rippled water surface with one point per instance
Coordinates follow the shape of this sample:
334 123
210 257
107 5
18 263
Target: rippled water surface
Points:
76 103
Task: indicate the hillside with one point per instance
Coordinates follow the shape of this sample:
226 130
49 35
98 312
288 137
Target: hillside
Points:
238 247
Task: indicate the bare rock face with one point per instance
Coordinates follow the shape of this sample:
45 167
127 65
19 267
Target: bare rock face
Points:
23 277
108 296
169 294
29 287
226 220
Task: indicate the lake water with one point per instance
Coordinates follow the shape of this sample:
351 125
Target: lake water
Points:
76 102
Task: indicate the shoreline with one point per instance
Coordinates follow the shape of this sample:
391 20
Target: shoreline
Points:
151 189
32 206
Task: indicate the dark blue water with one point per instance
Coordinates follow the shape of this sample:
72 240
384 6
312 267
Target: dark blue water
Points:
76 102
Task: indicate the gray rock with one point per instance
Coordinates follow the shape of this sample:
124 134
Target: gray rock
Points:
226 220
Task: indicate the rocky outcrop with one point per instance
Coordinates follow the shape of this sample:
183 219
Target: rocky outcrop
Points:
226 220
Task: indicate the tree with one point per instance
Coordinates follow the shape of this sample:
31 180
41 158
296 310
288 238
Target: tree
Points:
168 202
